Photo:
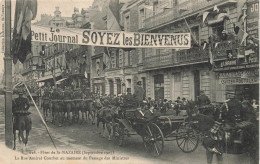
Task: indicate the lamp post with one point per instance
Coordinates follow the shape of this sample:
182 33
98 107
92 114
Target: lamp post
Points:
8 77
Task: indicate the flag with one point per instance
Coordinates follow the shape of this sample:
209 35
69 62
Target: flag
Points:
86 74
113 16
239 55
216 44
59 65
210 57
25 11
244 38
204 16
204 45
192 35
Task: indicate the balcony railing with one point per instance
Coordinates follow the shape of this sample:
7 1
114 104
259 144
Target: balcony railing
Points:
190 56
220 52
160 60
191 6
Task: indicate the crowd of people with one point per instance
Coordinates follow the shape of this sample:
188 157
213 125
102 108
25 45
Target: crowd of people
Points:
232 112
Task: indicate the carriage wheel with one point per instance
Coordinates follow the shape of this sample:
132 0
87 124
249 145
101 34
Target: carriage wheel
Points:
118 134
186 138
153 140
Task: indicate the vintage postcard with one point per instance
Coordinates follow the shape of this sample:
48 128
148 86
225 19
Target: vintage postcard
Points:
129 81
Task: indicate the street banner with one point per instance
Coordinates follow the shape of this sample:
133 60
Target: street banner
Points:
110 38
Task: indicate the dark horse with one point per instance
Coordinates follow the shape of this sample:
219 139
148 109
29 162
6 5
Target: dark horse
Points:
88 110
57 111
106 116
22 122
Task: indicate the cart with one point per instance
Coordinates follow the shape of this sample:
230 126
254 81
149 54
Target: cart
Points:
155 132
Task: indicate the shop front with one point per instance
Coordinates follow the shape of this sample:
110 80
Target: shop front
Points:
238 77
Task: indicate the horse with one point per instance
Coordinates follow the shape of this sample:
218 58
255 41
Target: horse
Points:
69 108
57 111
22 122
106 116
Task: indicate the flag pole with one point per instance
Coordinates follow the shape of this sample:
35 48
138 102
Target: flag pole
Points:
44 123
8 77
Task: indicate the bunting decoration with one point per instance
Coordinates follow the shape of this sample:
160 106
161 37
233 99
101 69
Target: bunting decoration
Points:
25 12
204 16
244 38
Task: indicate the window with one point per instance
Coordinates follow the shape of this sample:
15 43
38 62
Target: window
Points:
141 18
217 30
155 8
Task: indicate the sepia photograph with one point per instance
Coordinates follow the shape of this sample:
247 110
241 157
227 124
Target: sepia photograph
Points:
129 81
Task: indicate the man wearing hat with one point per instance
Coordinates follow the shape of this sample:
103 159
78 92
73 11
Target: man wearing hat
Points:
203 101
139 93
21 103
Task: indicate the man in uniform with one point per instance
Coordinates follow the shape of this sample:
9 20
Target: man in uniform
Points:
21 103
20 106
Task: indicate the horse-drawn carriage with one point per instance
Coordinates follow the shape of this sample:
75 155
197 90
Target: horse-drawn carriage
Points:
154 131
184 129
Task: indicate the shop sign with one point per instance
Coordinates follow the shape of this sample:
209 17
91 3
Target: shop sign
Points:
236 81
228 63
252 17
238 74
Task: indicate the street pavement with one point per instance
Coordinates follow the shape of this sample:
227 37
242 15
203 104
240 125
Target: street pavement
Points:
87 138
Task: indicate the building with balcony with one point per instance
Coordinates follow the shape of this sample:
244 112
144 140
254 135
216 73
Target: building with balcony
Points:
65 63
172 73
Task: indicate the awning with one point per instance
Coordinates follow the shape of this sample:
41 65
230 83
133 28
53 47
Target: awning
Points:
48 77
218 18
61 80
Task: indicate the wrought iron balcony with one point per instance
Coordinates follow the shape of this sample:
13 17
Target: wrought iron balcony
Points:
190 56
160 60
220 52
181 10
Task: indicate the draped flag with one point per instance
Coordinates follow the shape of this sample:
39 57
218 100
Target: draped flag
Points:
25 11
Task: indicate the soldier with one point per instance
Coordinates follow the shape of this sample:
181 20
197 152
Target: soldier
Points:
21 103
